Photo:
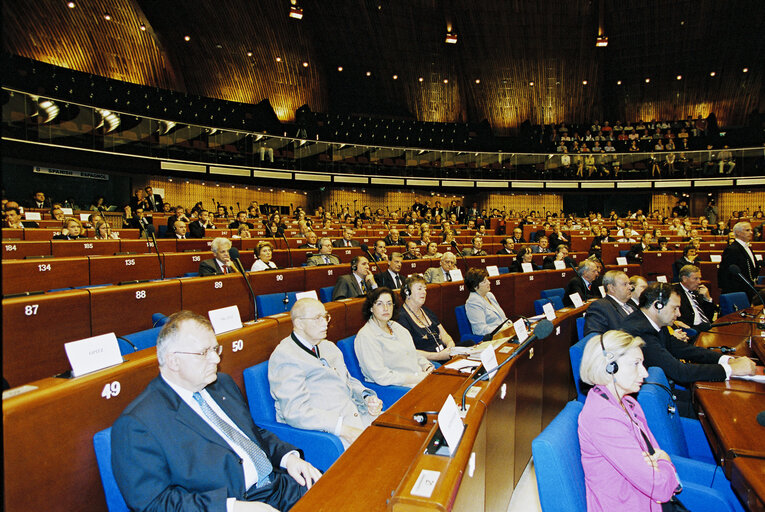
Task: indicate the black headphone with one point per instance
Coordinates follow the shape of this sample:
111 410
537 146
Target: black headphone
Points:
659 303
611 366
671 409
355 263
405 290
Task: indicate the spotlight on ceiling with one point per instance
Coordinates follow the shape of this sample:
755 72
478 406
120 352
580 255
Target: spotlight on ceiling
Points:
296 11
451 38
601 41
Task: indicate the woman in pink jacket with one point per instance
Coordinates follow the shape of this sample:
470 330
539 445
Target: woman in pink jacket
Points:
624 468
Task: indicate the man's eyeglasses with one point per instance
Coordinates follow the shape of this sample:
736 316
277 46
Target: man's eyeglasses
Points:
325 316
218 349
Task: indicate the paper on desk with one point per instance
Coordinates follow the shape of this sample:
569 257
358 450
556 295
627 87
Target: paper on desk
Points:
460 364
450 423
755 378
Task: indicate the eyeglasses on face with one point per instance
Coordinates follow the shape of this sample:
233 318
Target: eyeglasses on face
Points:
218 349
325 316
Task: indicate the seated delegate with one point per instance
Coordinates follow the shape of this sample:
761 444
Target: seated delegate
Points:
264 252
385 349
624 467
430 338
483 311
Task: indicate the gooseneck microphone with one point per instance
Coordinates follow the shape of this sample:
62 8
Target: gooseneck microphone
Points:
365 248
287 245
464 260
735 269
149 228
761 418
496 330
542 330
234 253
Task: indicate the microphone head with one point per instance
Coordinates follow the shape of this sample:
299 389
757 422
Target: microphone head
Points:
454 244
234 253
364 247
149 228
543 329
761 418
734 268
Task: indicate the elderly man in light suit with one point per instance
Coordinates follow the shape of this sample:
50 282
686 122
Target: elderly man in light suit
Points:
441 274
310 382
325 256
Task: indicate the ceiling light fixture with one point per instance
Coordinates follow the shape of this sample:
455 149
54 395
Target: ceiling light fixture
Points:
305 64
446 80
531 83
712 74
187 38
369 73
143 27
478 80
340 69
395 77
618 82
295 10
249 54
648 80
601 42
679 77
107 16
70 5
584 82
420 79
278 59
451 38
745 70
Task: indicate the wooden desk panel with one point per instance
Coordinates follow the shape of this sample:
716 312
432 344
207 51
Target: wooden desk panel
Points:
47 274
128 308
142 246
452 295
201 294
324 275
65 248
13 250
384 454
748 480
35 329
248 346
117 269
278 281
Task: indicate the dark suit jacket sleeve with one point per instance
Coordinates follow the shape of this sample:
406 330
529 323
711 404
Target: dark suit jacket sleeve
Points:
196 230
600 317
385 279
575 285
208 268
345 288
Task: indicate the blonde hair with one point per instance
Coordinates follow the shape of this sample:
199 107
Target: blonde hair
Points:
592 370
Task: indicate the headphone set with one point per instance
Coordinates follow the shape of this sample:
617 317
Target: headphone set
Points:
421 418
659 303
355 263
406 291
611 367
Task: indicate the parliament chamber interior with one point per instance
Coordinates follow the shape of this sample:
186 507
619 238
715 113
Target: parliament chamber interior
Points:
544 147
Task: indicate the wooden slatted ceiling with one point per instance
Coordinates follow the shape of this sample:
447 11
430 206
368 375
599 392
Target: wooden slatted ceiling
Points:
504 44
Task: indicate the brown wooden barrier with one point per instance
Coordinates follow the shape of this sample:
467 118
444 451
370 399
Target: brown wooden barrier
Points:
13 249
44 274
201 294
35 329
128 308
117 269
84 247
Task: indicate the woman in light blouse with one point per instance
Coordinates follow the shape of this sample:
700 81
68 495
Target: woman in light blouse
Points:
385 349
264 252
432 252
483 310
429 336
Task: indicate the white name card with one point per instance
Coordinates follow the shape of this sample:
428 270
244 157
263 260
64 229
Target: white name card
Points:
526 267
492 270
67 211
456 274
489 360
520 330
559 264
715 258
32 216
84 217
425 483
758 257
621 260
450 423
225 319
93 354
661 279
576 300
310 294
602 290
549 311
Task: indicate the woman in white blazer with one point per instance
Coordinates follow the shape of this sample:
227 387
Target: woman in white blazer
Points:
483 310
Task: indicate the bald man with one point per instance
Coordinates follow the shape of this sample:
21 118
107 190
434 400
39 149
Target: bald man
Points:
310 382
440 274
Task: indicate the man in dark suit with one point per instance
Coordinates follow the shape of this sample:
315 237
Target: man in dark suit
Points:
188 442
476 248
221 263
609 312
582 283
659 308
357 283
458 211
347 240
39 201
198 227
310 241
738 253
393 238
518 236
690 253
392 277
180 214
508 247
140 220
561 254
696 305
154 200
241 218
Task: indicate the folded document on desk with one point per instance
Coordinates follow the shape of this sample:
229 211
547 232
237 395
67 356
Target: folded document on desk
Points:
755 378
461 364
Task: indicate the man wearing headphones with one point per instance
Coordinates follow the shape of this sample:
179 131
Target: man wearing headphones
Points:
659 308
357 283
325 256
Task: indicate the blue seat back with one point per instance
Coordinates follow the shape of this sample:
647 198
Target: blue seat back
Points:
623 253
273 303
141 339
656 400
575 353
158 319
557 302
580 327
325 294
388 394
558 464
559 292
102 442
464 327
504 270
258 391
730 302
539 305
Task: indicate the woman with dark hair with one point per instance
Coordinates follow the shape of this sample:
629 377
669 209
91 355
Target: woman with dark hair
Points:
482 308
98 205
385 349
358 223
523 255
430 338
274 226
263 252
103 231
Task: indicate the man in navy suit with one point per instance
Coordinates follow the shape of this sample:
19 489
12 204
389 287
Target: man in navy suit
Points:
188 442
740 254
